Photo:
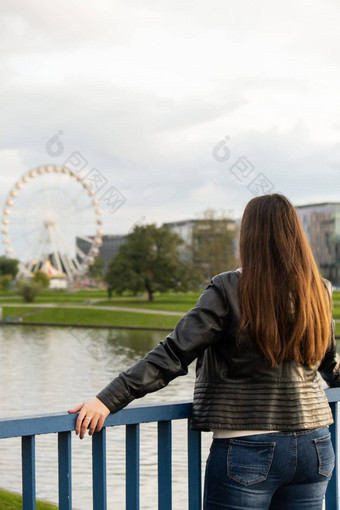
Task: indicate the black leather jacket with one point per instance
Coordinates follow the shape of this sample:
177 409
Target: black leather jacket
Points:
235 388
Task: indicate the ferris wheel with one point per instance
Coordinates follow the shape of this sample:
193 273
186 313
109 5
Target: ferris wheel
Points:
52 216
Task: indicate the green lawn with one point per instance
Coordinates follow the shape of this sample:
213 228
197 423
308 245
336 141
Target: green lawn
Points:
96 317
56 296
168 302
11 501
337 329
16 311
83 296
336 312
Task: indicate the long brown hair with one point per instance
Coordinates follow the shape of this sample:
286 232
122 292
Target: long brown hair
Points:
284 301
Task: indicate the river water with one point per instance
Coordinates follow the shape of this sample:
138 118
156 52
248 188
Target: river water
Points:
47 370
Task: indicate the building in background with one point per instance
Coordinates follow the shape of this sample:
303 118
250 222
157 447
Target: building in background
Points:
183 228
108 250
210 243
321 222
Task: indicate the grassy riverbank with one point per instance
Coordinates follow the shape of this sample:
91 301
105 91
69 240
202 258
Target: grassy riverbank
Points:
87 309
90 316
11 501
90 313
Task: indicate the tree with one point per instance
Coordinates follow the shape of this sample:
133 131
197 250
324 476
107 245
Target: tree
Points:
8 266
96 269
28 289
42 279
213 244
149 261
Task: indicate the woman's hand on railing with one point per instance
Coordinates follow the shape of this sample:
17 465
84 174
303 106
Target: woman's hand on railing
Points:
92 415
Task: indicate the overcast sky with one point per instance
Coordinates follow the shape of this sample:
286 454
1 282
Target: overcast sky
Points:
145 92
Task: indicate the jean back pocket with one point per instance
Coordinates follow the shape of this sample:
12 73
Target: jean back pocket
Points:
249 461
326 457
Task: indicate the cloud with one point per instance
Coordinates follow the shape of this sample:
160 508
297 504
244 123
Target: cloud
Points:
144 91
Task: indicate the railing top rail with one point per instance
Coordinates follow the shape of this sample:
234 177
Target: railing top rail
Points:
63 422
333 394
132 414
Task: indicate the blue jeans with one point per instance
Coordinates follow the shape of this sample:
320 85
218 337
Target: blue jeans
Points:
277 471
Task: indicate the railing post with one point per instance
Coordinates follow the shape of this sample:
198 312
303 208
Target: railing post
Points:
332 494
132 467
194 468
164 466
64 469
28 472
99 470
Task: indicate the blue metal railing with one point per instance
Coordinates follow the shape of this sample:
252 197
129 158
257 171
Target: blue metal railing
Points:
332 494
131 417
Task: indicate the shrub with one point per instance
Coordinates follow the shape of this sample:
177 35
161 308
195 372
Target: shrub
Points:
5 281
28 290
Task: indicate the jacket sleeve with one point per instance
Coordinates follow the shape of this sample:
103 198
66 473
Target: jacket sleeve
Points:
330 365
196 330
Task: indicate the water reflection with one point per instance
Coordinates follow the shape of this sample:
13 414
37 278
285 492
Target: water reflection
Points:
45 370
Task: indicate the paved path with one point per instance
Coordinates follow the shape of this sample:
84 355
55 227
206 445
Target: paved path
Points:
89 307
